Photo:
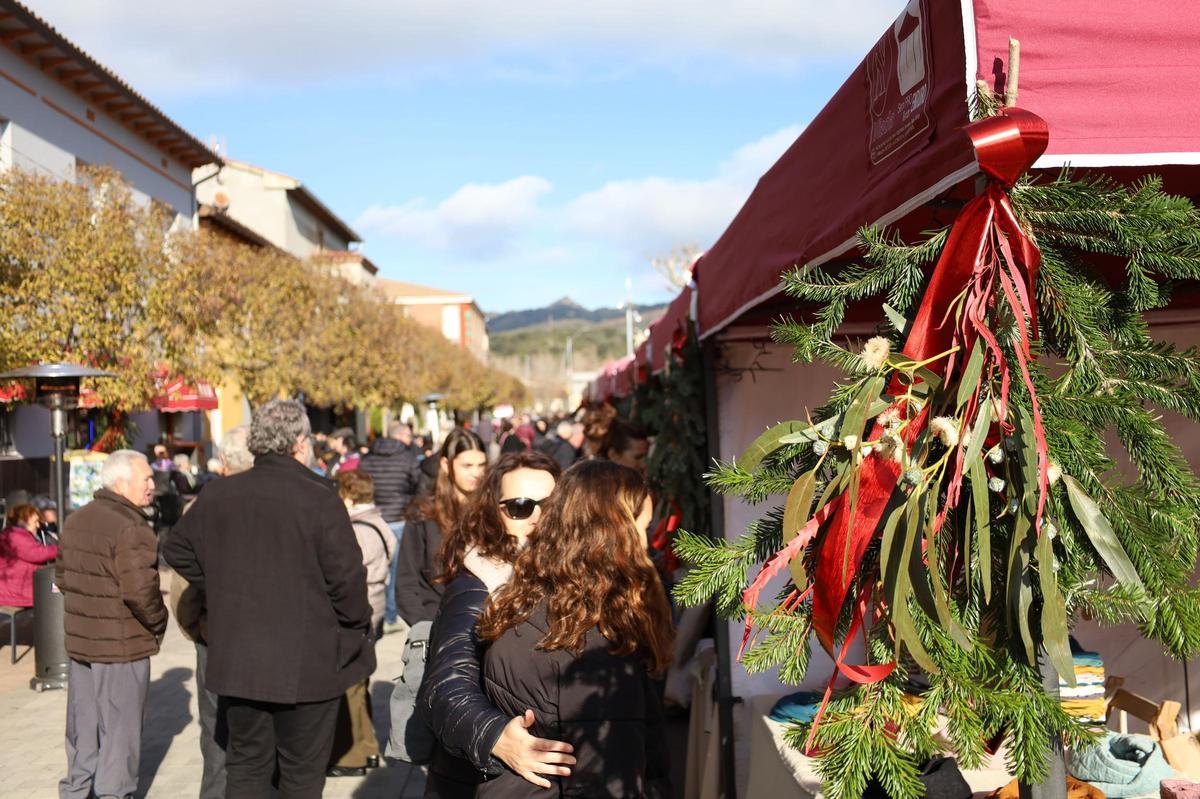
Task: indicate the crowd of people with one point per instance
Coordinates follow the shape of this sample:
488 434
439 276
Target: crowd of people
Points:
513 561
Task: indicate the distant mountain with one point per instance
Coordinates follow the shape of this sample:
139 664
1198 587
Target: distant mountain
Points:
562 310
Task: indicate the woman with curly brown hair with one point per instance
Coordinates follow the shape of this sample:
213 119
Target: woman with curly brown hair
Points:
577 634
475 740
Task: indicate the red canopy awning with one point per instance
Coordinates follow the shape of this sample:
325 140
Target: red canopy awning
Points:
1116 82
12 392
178 395
663 331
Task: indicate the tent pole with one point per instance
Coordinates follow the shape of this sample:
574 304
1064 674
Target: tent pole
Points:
725 697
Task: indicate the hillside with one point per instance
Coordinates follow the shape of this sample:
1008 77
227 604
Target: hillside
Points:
564 310
593 343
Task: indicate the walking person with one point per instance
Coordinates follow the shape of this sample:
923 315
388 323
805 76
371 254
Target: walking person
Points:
187 605
274 553
472 736
393 465
577 633
461 462
114 619
355 748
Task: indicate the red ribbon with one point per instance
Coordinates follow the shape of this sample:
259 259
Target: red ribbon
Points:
987 253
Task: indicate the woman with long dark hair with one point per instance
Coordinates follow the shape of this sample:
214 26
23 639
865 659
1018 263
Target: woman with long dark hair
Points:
461 463
578 632
473 735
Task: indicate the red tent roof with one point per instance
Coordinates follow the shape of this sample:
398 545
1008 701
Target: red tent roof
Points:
179 395
1116 82
663 330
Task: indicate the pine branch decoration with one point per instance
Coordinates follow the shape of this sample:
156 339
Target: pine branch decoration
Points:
998 583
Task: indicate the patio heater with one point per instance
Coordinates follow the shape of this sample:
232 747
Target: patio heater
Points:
57 388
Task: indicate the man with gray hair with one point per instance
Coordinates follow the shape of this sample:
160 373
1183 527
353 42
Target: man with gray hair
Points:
187 605
115 618
288 622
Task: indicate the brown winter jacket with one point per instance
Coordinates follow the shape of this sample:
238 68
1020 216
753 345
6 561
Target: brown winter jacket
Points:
107 570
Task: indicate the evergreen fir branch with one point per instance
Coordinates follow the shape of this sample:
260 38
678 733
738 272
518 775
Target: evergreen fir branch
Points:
1116 605
730 479
718 572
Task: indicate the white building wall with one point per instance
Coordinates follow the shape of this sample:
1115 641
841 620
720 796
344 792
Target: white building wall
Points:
261 208
48 130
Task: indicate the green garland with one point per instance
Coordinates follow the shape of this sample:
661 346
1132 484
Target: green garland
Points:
971 631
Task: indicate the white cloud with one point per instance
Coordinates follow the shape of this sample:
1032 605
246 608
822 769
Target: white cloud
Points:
170 48
650 216
479 220
637 218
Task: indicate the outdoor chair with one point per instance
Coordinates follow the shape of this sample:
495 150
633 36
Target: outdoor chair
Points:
12 613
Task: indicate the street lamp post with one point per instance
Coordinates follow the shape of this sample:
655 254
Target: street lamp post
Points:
57 389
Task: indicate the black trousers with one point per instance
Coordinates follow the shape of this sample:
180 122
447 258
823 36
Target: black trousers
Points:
299 737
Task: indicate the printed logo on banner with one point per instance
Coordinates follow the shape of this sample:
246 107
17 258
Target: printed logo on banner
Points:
898 83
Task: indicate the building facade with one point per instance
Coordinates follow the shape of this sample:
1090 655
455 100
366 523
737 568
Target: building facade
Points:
283 211
453 314
61 110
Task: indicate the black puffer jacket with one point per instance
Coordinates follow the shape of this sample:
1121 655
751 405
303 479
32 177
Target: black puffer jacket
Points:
393 467
604 705
465 723
417 567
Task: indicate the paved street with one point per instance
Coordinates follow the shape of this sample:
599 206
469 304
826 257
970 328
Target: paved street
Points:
31 729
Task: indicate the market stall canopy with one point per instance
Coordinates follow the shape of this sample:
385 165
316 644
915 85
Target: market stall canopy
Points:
665 329
178 395
1117 84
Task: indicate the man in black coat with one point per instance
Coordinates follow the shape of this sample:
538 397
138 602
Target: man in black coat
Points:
393 464
289 625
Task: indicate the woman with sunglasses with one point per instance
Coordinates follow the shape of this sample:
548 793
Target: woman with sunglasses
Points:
461 463
577 633
473 736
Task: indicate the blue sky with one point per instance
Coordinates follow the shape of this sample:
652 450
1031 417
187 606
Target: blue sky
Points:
521 151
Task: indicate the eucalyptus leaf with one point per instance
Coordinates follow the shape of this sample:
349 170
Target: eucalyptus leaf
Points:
826 428
941 600
981 507
979 431
767 443
1054 613
1020 588
857 414
971 374
896 318
917 573
796 515
1101 534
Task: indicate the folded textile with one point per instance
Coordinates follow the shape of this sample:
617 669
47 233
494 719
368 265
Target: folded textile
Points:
800 707
1122 765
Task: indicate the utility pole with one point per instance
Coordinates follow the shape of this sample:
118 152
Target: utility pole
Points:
629 316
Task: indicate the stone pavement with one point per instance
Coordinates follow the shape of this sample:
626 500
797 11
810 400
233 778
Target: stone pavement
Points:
32 759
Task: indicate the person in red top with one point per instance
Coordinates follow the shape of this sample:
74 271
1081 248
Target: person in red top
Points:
20 554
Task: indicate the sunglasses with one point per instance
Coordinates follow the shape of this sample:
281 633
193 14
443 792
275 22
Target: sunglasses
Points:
520 508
